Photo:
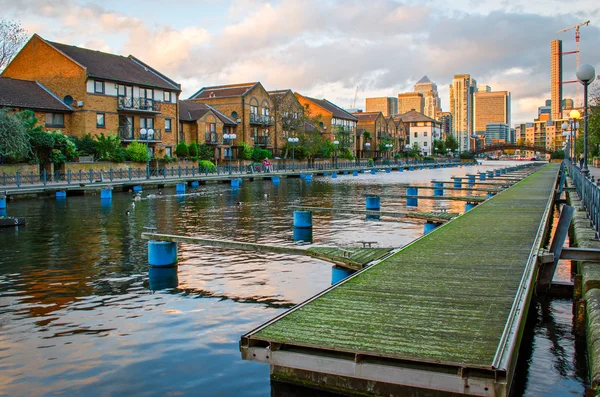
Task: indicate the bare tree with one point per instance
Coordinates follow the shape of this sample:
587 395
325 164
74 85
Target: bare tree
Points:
12 38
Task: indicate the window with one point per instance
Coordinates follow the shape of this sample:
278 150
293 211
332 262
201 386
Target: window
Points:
425 133
253 109
167 96
100 120
167 125
147 93
55 120
99 87
146 122
169 151
416 134
425 143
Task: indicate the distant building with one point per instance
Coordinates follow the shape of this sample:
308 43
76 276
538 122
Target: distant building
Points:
461 107
432 103
484 88
422 130
386 105
556 78
411 101
446 121
491 107
497 133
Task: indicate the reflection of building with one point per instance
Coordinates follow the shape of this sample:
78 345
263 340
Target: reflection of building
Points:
422 130
556 79
410 101
386 105
461 107
432 105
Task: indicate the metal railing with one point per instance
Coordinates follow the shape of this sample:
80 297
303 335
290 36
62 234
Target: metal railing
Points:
126 134
91 176
141 104
261 140
260 119
589 191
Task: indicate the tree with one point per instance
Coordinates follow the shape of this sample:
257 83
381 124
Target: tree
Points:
137 152
14 140
108 148
181 150
205 152
193 150
439 147
451 142
12 38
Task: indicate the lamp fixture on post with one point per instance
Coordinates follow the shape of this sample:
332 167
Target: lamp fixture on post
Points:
586 75
567 133
335 145
293 142
574 115
406 149
229 138
368 148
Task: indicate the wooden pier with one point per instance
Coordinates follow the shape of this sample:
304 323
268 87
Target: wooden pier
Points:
438 217
446 313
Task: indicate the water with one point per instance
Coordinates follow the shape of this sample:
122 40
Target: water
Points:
79 314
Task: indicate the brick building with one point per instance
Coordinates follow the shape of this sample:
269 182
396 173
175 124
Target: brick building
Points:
376 125
411 100
109 94
288 114
386 105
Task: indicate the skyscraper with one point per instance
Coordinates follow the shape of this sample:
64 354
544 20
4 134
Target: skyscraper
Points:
556 79
386 105
461 107
410 101
432 106
490 107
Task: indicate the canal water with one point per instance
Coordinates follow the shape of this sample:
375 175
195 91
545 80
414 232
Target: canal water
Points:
82 315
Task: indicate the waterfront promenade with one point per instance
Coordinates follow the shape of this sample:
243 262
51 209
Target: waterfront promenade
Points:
445 313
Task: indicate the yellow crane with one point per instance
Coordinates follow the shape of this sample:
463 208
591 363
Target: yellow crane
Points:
576 27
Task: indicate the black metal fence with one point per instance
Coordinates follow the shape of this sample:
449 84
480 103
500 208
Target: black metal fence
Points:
589 191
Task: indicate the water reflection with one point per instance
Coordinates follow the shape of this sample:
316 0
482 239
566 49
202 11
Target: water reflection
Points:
303 234
162 277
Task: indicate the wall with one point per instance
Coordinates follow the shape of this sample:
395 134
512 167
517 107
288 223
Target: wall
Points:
11 169
102 165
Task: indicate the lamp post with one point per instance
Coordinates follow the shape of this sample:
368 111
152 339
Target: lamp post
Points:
335 145
388 146
565 128
368 149
229 138
586 75
574 115
293 142
406 149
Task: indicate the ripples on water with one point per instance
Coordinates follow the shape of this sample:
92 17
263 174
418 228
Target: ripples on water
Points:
80 314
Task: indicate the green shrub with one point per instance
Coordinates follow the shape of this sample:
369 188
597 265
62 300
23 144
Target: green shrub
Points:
558 155
169 159
259 154
86 145
204 164
245 152
370 162
107 148
137 152
466 156
205 152
346 154
181 150
193 150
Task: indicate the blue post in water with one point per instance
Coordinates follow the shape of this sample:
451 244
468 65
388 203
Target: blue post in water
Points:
137 188
338 274
303 234
373 203
457 182
400 169
303 219
503 171
429 226
373 171
302 176
354 173
498 172
2 202
482 176
334 174
106 194
469 206
308 177
235 183
490 174
361 171
412 202
490 194
162 277
440 189
162 253
275 180
471 180
325 173
345 172
61 195
195 184
180 188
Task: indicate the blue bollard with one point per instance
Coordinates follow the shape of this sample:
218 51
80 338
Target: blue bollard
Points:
275 180
325 173
162 253
400 169
308 177
235 183
373 203
490 194
61 195
440 191
3 212
334 174
345 172
162 277
338 274
388 170
2 202
412 202
429 227
373 172
411 169
469 206
180 188
471 179
302 176
490 174
458 182
498 172
503 171
303 234
354 173
303 219
137 188
195 184
482 176
106 194
362 171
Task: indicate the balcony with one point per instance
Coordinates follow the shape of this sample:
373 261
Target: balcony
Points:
127 135
261 140
143 105
211 139
261 119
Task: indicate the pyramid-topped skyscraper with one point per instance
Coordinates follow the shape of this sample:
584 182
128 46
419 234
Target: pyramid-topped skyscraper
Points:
433 106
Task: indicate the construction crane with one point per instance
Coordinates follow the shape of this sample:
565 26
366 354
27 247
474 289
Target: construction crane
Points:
354 101
576 27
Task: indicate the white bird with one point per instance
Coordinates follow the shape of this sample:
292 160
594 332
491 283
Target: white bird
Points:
132 205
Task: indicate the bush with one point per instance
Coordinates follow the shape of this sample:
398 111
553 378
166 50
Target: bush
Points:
181 150
346 154
428 158
169 159
137 152
205 152
86 146
466 156
558 155
259 154
193 150
108 148
246 152
204 164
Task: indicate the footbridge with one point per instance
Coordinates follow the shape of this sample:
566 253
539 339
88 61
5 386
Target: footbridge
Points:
512 146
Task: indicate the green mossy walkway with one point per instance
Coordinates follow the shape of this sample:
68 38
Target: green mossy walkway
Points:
445 298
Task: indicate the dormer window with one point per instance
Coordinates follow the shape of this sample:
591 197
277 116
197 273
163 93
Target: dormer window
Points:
99 87
211 95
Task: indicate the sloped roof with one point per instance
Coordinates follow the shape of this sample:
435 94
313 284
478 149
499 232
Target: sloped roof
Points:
116 67
223 91
279 92
366 117
24 94
413 115
335 110
424 79
192 111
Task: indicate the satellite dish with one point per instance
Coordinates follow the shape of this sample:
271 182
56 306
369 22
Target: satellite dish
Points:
68 100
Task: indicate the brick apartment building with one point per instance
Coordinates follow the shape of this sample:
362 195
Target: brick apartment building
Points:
288 115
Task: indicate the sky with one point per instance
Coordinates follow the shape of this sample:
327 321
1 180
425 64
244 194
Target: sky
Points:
328 49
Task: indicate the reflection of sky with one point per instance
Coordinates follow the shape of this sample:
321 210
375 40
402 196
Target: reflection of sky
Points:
77 314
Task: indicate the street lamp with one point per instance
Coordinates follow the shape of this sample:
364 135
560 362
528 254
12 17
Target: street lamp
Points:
335 145
293 142
406 149
586 75
565 127
574 115
368 149
229 138
388 146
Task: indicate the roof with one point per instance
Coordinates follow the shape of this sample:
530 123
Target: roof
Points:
24 94
335 110
366 117
279 92
424 79
192 111
223 91
413 115
116 67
